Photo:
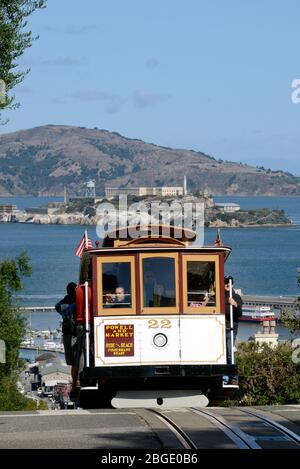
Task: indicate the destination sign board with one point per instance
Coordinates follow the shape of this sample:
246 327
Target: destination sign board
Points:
119 340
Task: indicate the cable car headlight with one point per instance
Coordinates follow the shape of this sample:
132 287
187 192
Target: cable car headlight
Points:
160 340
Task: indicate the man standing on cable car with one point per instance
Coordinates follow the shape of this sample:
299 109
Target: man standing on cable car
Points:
237 303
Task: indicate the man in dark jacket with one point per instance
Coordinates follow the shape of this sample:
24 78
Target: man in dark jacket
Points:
66 308
237 303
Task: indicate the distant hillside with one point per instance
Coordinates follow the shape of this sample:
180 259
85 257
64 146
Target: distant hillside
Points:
42 160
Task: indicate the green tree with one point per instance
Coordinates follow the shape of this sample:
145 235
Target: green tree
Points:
14 40
267 375
12 329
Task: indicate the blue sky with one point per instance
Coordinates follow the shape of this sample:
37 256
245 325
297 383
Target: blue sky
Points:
213 76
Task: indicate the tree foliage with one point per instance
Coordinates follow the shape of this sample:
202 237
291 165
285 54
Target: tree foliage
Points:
12 329
14 40
267 376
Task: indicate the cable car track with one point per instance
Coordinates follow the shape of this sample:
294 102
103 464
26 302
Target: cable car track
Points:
289 434
266 431
239 438
234 432
183 438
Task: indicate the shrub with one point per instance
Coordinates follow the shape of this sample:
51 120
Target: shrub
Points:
12 328
266 375
32 404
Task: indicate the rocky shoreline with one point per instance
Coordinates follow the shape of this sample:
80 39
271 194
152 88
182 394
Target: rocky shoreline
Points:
38 219
79 218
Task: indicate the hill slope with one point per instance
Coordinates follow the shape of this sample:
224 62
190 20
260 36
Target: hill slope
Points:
42 160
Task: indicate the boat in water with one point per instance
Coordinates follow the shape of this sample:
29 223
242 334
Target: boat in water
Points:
257 314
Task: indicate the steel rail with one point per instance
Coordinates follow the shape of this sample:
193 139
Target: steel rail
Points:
183 438
240 438
272 423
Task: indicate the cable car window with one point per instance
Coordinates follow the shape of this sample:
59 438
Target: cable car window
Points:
115 293
158 282
201 284
116 285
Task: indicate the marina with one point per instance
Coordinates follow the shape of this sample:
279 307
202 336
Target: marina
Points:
43 340
46 347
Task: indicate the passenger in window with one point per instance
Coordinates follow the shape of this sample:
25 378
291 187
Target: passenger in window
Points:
153 291
109 297
158 296
120 295
210 296
203 301
117 299
120 298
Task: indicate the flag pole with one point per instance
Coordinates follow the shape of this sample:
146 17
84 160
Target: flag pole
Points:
87 330
218 241
86 239
231 322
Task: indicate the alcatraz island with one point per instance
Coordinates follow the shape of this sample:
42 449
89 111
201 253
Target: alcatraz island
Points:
85 209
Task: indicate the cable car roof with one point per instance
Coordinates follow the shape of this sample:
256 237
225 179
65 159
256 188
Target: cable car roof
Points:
159 237
155 233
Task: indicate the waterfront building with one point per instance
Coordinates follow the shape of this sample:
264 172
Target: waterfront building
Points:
56 207
228 207
143 191
7 209
37 210
54 371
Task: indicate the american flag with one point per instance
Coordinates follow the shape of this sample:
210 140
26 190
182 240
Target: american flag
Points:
85 243
218 240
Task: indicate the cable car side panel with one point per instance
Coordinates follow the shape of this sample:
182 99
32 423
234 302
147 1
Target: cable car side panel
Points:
154 340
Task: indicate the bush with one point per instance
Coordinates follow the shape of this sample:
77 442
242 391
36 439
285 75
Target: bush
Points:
12 399
12 329
78 205
32 404
266 375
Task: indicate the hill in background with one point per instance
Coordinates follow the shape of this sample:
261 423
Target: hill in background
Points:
42 160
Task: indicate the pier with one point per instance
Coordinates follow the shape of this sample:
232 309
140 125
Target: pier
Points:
274 302
38 309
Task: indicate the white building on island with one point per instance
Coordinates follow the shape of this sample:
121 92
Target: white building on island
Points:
164 191
227 207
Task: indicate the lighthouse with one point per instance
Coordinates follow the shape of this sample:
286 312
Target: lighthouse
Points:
184 186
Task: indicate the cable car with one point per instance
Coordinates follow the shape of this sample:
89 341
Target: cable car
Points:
155 320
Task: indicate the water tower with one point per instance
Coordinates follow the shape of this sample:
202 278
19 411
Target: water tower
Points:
90 191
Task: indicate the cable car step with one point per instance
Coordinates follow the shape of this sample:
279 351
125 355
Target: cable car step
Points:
159 398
